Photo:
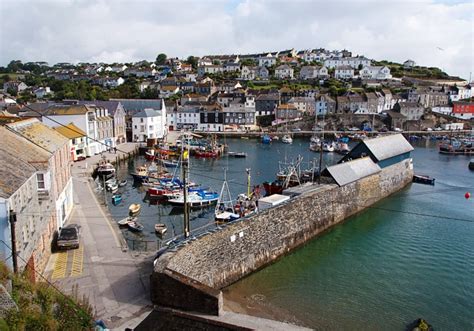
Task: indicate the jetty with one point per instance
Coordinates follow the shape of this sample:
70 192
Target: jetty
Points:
188 277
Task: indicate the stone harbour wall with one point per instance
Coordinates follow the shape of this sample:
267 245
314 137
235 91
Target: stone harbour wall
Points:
222 258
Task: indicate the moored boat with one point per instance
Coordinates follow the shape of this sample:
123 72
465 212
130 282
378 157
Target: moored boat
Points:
286 139
140 174
116 199
237 154
122 183
423 179
266 139
135 226
170 164
456 147
471 164
328 147
341 148
196 199
105 169
126 220
206 153
160 228
150 155
134 209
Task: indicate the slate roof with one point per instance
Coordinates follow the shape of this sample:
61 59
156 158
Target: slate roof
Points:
387 146
18 167
137 105
66 110
351 171
70 131
111 106
39 134
148 113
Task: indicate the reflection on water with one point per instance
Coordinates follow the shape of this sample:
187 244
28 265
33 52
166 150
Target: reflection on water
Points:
388 265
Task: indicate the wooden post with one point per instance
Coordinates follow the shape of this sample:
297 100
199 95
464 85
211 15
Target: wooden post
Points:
13 235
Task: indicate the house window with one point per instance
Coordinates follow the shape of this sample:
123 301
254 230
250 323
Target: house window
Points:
40 180
141 120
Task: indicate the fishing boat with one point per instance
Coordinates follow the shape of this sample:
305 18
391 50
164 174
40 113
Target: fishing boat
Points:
471 164
135 226
423 179
206 153
456 147
126 220
196 199
122 183
160 228
116 199
287 176
276 138
286 139
105 169
266 139
140 174
150 155
134 209
237 154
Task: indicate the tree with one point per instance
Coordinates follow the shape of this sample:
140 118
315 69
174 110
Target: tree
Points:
193 61
248 62
161 59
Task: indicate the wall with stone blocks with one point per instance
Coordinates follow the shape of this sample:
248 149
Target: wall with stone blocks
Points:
224 257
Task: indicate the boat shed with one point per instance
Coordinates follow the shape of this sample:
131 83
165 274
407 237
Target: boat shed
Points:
351 171
385 151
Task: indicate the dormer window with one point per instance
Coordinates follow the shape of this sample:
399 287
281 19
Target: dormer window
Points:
40 181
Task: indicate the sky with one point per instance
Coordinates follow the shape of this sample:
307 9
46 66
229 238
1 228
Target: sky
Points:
431 32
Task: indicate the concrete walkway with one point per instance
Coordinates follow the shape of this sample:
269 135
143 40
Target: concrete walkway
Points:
115 281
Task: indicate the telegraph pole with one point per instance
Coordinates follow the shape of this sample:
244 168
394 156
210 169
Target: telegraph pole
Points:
184 165
13 235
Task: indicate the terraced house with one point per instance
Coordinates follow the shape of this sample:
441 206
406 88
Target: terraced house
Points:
36 188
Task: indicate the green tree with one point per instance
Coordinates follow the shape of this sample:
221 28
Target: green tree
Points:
14 66
160 59
248 62
193 61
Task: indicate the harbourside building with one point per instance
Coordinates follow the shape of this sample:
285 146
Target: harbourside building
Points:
37 188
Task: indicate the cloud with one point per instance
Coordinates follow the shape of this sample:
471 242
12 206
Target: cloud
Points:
110 31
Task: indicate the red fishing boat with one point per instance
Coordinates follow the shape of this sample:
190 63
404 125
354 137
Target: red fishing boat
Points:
206 154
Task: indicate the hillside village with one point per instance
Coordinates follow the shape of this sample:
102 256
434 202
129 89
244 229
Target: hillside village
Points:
120 102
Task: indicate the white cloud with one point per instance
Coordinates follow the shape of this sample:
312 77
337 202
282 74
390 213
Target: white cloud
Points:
105 30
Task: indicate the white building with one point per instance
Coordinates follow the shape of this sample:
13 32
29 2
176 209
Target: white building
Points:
267 61
248 73
148 123
353 62
344 72
41 92
375 72
83 116
284 71
209 69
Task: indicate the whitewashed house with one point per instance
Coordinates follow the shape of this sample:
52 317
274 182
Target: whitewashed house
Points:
344 72
148 123
267 61
375 72
209 69
284 71
41 92
248 73
353 62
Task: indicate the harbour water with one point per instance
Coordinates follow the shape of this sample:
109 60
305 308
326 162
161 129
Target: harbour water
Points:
410 256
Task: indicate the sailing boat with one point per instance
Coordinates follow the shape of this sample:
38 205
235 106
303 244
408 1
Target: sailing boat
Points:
286 139
225 208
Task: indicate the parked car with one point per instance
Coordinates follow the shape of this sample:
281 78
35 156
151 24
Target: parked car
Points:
68 237
296 130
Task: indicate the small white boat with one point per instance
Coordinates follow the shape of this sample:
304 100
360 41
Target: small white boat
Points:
328 147
315 140
135 226
160 228
226 216
123 183
134 209
286 139
126 220
112 187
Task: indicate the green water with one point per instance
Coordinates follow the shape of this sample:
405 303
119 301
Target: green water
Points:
411 256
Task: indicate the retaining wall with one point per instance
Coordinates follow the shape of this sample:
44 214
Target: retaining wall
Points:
222 258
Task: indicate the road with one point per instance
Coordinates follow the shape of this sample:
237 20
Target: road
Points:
115 281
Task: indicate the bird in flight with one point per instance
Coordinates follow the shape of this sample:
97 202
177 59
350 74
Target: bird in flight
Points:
439 48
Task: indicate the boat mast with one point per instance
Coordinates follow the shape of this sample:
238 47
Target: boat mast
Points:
184 164
248 182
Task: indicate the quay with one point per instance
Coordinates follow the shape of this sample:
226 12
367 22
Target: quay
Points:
187 279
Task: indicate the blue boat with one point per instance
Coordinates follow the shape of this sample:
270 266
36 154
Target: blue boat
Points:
266 139
170 164
116 199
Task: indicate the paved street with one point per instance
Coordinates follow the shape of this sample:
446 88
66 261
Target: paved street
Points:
115 280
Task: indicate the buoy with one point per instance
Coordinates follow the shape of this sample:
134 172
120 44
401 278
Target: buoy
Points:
467 195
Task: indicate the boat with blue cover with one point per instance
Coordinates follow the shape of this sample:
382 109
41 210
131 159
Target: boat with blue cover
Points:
116 199
198 199
266 139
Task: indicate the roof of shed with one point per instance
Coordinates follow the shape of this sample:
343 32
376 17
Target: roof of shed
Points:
388 146
350 171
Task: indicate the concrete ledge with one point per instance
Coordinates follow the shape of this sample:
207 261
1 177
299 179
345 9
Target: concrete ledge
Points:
173 290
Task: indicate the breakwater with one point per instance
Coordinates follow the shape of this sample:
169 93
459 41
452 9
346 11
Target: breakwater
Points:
203 267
